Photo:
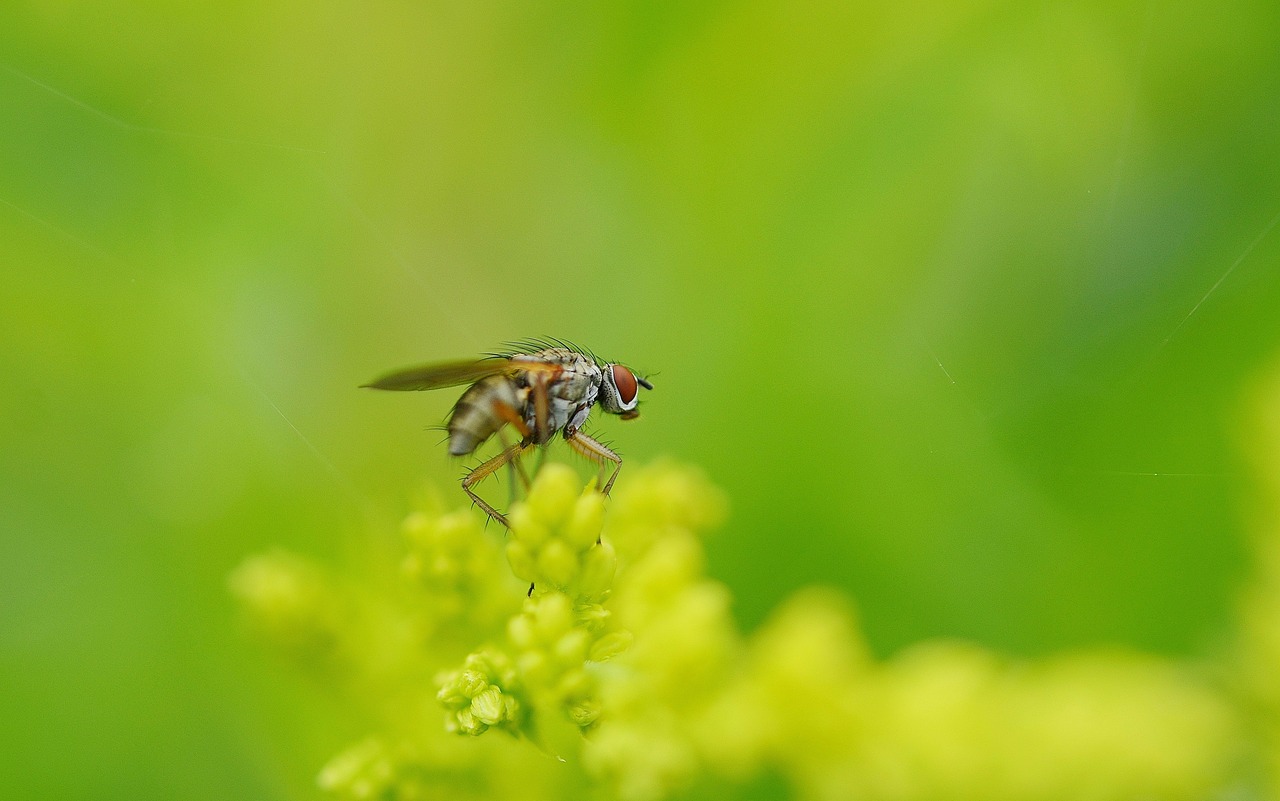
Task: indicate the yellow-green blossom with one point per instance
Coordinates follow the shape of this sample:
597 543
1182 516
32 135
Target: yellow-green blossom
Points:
622 675
951 720
427 765
450 558
659 501
481 694
683 640
564 626
555 535
374 770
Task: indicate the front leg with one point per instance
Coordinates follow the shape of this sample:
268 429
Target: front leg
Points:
597 452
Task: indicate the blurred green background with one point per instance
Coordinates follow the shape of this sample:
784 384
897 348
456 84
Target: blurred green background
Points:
957 301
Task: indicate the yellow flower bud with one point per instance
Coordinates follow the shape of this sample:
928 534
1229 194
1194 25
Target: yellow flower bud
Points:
527 527
488 706
522 560
610 645
598 566
571 649
585 713
521 632
552 495
553 616
535 667
574 684
557 562
582 529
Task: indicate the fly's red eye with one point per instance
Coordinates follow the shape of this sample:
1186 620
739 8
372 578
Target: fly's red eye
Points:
626 384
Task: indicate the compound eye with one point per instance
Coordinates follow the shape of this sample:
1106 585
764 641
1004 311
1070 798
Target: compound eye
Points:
625 381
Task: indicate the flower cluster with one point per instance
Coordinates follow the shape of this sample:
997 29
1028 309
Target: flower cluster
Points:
802 698
539 680
587 653
481 694
449 562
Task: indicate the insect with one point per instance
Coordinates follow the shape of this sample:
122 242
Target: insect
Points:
540 388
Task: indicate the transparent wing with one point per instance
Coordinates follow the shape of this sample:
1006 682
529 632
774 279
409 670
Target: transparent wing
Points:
437 376
452 374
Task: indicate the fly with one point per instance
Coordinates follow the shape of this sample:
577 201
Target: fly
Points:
540 390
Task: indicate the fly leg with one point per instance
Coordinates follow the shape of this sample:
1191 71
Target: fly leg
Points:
508 413
539 434
597 452
487 469
519 478
542 459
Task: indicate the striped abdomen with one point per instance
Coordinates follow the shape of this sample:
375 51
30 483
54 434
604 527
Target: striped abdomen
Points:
476 417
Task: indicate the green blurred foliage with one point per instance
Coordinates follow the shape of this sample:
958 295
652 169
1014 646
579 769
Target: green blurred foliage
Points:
955 300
